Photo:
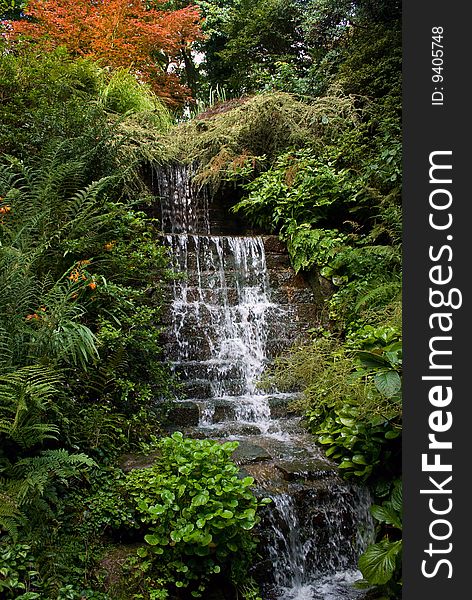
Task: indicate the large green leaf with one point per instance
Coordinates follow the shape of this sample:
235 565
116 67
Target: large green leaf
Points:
372 359
388 383
386 514
397 496
378 562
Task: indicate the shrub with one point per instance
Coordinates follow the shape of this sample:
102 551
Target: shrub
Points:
197 512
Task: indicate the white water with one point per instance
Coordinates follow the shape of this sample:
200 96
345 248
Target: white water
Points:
335 586
228 304
307 567
223 319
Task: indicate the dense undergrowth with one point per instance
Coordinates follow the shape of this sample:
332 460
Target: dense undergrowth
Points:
304 130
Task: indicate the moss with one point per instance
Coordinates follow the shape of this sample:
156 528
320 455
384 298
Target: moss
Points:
254 130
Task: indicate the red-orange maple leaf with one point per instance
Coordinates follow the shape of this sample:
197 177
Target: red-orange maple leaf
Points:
118 33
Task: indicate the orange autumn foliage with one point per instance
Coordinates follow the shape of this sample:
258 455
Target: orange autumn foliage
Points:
118 33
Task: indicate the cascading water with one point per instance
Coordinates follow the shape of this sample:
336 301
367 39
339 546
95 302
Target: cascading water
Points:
225 326
227 305
313 558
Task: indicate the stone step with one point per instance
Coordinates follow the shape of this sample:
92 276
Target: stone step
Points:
286 278
211 369
210 276
204 388
218 296
205 259
190 412
191 318
198 347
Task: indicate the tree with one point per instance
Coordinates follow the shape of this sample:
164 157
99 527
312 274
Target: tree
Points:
327 22
11 9
254 36
118 33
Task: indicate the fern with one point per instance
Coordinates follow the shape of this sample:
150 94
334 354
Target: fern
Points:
102 378
6 353
10 514
379 295
26 396
32 481
49 204
36 474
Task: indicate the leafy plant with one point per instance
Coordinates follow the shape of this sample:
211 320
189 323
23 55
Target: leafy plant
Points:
125 34
198 513
29 486
19 577
380 564
384 367
363 445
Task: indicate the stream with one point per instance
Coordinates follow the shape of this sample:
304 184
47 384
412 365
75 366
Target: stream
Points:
236 306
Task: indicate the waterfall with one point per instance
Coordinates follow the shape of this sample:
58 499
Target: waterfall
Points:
220 320
313 562
236 304
183 209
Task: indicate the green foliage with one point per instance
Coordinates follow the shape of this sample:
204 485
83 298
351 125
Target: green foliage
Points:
352 402
48 99
98 509
30 485
300 47
80 272
380 564
368 279
249 590
26 399
364 446
19 578
298 186
197 511
246 134
81 275
123 94
73 265
384 367
256 36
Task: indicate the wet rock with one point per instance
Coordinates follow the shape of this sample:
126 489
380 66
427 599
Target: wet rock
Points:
288 278
280 407
248 453
115 579
197 348
292 295
266 477
184 413
274 245
315 469
277 261
197 388
309 313
220 589
223 410
242 429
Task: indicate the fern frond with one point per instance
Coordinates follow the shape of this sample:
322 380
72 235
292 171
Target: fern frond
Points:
74 343
6 352
102 378
379 295
26 396
35 474
10 515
